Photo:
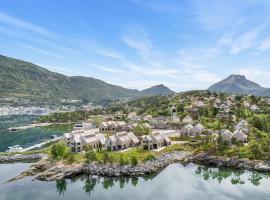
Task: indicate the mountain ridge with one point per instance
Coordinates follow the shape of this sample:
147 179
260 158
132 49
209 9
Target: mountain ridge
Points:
24 79
239 84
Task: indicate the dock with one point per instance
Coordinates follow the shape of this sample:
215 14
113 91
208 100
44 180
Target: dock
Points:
38 146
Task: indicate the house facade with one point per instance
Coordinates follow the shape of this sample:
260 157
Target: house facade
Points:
186 130
121 140
79 139
155 141
113 126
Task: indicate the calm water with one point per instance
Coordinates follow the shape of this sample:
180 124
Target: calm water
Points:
174 182
26 137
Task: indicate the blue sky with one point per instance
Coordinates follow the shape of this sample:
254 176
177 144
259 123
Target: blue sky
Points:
139 43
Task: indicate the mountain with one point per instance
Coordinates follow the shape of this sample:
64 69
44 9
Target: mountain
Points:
26 80
157 90
240 85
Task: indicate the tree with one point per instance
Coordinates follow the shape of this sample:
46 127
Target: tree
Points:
89 185
61 186
59 151
256 149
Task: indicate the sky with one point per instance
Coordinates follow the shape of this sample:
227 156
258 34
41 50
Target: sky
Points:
183 44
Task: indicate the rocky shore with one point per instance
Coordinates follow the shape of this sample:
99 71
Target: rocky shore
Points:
48 172
21 157
236 163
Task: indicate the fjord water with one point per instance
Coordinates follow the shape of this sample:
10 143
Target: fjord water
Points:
175 182
26 137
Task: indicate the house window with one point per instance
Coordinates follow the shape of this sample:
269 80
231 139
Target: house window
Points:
78 143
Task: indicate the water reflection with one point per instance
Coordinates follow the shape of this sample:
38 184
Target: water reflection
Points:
89 185
189 182
235 176
61 186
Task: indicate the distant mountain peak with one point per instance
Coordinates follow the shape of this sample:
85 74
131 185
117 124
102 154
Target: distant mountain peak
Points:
160 89
236 83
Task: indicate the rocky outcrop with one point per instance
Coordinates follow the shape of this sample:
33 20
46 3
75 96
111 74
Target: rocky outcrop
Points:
109 170
210 160
21 157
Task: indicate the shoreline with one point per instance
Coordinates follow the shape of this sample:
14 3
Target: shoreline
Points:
48 171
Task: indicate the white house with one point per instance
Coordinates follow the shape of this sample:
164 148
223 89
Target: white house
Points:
133 117
79 139
239 135
254 108
155 140
227 135
242 125
187 119
246 104
197 130
113 126
186 130
121 140
83 126
199 104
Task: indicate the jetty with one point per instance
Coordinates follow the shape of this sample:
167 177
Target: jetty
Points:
38 146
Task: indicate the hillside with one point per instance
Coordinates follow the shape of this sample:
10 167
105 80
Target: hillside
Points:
157 90
240 85
26 80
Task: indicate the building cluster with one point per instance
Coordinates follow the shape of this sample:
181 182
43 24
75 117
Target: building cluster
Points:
7 111
189 130
239 135
111 126
85 134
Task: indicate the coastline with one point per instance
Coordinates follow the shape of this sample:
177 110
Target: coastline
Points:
44 170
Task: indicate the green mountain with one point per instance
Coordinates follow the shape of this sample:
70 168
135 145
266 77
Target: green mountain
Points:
26 80
157 90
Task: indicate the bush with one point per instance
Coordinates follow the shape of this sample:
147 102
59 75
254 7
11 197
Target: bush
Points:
106 157
149 157
122 161
70 158
59 151
134 161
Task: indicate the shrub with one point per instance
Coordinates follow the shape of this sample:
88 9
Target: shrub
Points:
59 150
149 157
134 160
122 160
70 158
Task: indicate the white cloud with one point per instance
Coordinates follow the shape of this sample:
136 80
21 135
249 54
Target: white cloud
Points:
158 6
257 74
110 54
138 40
108 69
265 44
38 50
18 23
246 40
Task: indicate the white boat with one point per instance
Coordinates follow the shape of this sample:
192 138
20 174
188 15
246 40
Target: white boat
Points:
15 148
